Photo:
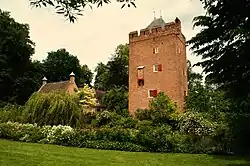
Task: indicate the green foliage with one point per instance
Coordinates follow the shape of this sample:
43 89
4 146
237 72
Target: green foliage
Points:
223 45
205 97
87 97
162 103
86 75
161 110
105 138
115 72
52 109
116 100
11 113
59 64
18 75
112 119
73 8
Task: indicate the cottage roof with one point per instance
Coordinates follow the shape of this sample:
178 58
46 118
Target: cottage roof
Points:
55 86
99 94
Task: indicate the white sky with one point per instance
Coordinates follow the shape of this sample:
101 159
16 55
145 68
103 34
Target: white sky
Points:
96 34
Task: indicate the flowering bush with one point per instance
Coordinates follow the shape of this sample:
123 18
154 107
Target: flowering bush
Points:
87 96
104 138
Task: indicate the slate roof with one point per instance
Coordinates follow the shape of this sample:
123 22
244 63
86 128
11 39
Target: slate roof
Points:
55 86
156 23
99 94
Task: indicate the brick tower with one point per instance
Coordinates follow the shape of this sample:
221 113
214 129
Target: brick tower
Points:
157 63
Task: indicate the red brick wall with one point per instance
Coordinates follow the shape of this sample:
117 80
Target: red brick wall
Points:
172 55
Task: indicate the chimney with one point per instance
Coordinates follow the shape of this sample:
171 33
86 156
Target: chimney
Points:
72 77
178 23
44 80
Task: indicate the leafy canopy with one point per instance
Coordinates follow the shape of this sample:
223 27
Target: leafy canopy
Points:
59 64
115 72
73 8
56 108
18 74
223 43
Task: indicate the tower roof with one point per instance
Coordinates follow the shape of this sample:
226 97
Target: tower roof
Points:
44 79
72 74
156 23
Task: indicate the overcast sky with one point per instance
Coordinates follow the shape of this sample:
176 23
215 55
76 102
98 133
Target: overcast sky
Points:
96 34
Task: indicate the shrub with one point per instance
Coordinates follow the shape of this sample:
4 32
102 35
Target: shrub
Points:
116 100
103 138
87 96
52 109
161 110
11 113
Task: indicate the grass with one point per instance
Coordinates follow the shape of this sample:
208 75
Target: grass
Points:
28 154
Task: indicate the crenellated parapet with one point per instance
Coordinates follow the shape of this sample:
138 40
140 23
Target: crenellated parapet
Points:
166 29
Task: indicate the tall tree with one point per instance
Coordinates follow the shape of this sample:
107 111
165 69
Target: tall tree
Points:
101 77
223 43
86 75
59 64
204 97
16 48
72 8
115 72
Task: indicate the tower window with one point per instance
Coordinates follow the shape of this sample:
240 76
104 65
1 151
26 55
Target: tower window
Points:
155 50
140 82
140 72
185 93
140 75
152 93
157 67
179 50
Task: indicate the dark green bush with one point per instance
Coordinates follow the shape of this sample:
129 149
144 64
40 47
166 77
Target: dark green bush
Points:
52 109
11 113
116 100
103 138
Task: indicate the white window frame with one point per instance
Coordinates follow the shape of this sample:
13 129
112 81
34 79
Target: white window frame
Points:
140 67
154 68
179 50
156 50
149 93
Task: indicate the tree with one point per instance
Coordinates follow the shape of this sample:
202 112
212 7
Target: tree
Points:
115 72
116 100
101 77
59 64
72 8
17 72
86 75
87 96
224 43
194 79
204 97
58 108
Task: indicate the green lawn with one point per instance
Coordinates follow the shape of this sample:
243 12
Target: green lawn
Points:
26 154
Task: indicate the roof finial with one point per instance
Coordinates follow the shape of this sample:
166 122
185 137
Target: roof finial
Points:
160 14
154 14
72 74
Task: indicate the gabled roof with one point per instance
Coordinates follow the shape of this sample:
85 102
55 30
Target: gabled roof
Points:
55 86
156 23
99 94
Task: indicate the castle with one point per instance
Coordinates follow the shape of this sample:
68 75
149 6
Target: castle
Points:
157 63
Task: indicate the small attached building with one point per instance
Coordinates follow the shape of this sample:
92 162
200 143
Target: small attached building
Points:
70 87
